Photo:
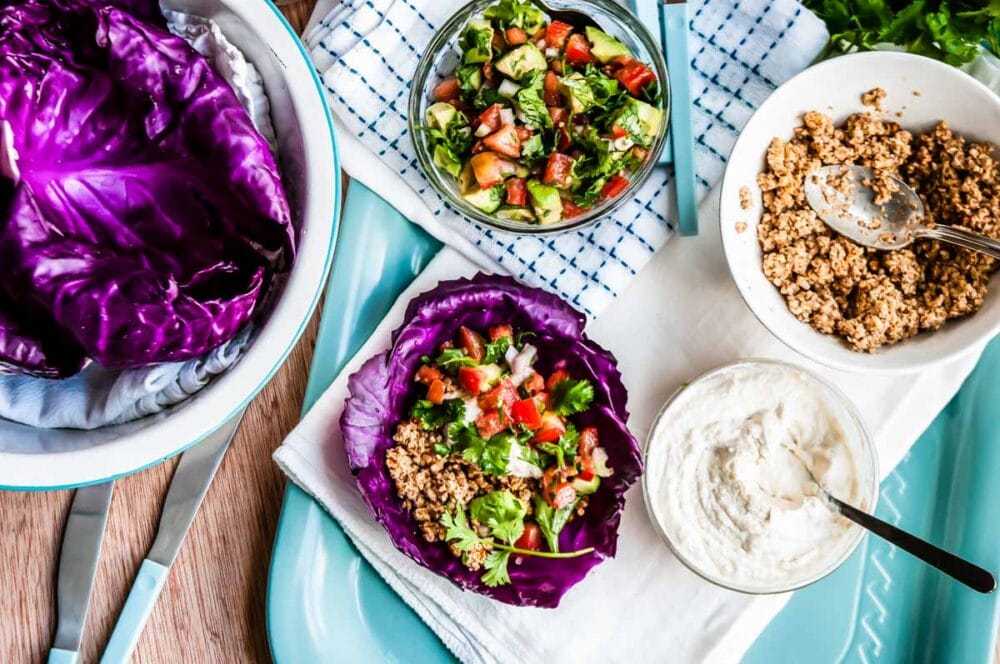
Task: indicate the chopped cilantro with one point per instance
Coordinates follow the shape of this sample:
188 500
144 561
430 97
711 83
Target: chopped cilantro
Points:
572 396
432 416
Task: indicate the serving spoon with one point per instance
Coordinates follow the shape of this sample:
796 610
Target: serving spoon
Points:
571 16
842 196
962 570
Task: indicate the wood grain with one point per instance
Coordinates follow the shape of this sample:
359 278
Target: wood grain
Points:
212 607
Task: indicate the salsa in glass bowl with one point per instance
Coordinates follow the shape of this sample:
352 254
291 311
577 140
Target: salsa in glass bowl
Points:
533 125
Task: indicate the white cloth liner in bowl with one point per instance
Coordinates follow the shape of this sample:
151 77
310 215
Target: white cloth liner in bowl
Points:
96 396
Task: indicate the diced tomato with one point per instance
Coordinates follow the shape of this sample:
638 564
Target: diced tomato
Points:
497 42
552 97
504 140
435 392
557 492
427 374
490 169
478 147
556 34
488 71
479 379
502 397
635 76
558 115
516 192
565 140
457 103
588 441
616 185
556 66
550 430
530 539
498 331
586 468
515 36
488 424
558 170
523 133
491 117
617 131
447 89
472 343
534 383
623 61
578 51
571 209
556 377
525 412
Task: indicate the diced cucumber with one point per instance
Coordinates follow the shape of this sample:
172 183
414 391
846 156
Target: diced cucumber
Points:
487 200
586 487
440 115
477 42
545 201
604 47
522 62
575 88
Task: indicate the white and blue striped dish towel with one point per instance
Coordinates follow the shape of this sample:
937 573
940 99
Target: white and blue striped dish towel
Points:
367 51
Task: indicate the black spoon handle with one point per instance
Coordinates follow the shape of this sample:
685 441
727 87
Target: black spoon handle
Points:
957 568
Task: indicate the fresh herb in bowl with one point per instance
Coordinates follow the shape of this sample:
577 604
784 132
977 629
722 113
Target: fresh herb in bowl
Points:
542 121
948 30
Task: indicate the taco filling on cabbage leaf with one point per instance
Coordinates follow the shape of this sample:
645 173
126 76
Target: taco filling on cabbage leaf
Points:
490 440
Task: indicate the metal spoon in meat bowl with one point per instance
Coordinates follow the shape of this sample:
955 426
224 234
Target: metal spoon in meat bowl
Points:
881 211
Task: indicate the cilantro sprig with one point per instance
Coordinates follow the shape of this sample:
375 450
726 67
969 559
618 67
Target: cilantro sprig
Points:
572 396
503 513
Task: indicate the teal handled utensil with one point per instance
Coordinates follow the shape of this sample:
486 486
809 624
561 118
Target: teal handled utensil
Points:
188 487
673 23
668 19
81 549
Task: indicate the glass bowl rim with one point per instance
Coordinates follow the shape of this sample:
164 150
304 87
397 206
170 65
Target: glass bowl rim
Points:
870 453
418 89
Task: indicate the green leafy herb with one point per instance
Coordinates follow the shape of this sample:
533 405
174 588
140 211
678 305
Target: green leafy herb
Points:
491 456
948 30
451 141
496 569
470 79
572 396
551 521
518 13
459 533
502 512
496 350
531 102
453 359
565 449
432 416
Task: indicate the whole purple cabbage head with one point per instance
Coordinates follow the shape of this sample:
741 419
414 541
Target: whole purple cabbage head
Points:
382 391
142 216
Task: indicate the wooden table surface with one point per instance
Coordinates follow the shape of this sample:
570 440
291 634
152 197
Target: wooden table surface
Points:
212 607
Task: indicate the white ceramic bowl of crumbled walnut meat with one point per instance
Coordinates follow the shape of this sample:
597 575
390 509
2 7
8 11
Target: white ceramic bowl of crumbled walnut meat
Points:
826 297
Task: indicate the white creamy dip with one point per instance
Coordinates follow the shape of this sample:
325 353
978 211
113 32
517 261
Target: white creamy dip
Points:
726 484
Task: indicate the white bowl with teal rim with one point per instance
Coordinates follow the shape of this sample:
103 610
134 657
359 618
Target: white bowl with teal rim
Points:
920 93
37 459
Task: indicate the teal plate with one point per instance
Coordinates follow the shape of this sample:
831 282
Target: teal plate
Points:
326 604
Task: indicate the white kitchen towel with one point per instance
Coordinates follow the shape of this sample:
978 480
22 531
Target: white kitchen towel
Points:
642 606
367 51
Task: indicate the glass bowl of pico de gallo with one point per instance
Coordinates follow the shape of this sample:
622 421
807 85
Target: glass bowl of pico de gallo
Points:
532 125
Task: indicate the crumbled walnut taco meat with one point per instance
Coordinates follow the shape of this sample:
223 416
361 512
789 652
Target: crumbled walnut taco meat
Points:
873 298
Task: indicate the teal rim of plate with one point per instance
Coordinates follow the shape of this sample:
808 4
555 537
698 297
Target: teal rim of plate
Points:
327 264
